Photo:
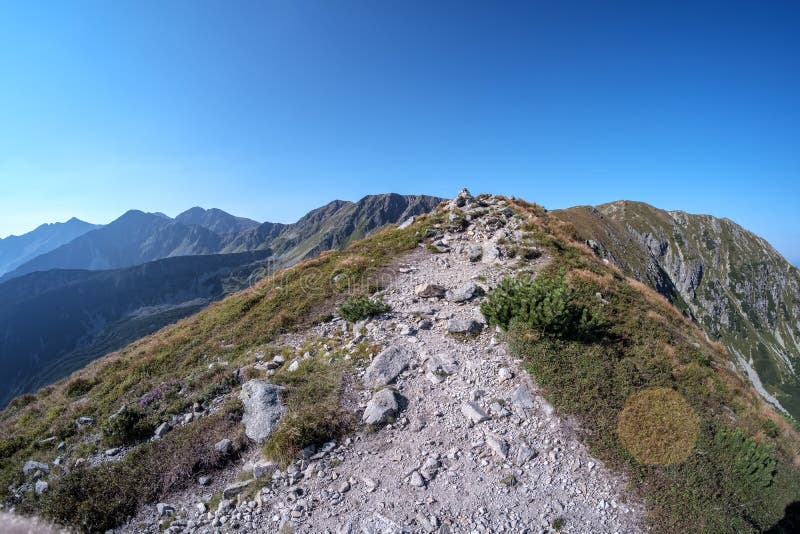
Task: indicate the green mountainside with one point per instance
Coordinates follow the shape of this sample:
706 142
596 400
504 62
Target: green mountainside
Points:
732 282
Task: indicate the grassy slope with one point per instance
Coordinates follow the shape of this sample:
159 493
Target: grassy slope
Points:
652 345
649 344
739 260
190 361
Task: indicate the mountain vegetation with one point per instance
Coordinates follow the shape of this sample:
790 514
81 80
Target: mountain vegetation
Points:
734 284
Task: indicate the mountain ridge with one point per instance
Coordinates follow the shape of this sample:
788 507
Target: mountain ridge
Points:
18 249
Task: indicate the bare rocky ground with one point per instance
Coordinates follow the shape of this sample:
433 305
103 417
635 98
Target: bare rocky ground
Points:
472 446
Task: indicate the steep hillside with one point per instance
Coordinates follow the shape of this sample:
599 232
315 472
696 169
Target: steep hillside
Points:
268 412
53 323
16 250
738 287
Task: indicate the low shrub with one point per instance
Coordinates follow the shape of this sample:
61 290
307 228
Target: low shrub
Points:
127 427
754 462
79 387
359 308
545 303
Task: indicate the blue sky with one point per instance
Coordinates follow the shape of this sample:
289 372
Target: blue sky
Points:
268 109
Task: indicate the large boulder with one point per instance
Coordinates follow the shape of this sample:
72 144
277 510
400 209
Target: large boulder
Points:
387 366
382 407
262 409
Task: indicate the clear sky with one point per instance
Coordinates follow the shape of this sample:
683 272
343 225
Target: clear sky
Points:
268 109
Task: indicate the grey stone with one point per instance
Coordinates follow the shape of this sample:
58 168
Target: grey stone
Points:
405 224
430 468
464 326
465 293
505 374
473 412
165 510
429 291
162 430
262 409
32 466
232 490
441 365
522 397
474 253
497 444
264 470
387 366
523 454
40 487
224 446
384 405
370 484
84 421
224 505
416 479
204 480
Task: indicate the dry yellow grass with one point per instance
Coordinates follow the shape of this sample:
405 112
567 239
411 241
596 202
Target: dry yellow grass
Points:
658 427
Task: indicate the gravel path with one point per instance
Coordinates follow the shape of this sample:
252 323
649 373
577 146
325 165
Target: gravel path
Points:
474 448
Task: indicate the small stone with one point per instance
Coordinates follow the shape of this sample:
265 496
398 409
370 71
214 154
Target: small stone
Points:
224 447
84 421
416 480
344 487
429 291
264 470
473 412
201 507
505 374
474 253
232 490
464 293
224 505
165 510
387 366
523 455
162 430
370 484
204 480
113 451
31 466
497 444
464 326
522 397
40 487
382 407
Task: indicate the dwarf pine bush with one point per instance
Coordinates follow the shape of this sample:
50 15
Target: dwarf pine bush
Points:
545 303
358 308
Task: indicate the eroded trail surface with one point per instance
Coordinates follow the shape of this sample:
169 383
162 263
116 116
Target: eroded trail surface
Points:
472 447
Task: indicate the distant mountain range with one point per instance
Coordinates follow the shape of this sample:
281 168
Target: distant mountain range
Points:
732 282
16 250
112 284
